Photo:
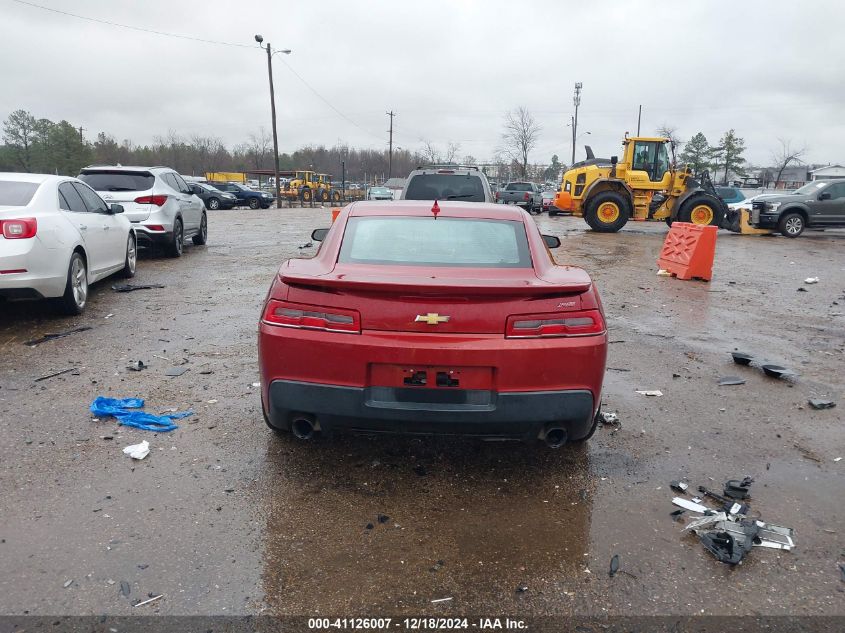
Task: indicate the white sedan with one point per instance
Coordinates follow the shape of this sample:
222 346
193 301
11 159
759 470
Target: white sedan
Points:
57 235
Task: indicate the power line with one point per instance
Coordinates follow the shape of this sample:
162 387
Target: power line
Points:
133 28
193 39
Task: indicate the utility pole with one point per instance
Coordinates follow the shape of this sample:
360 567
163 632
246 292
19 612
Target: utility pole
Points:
639 118
81 140
390 150
576 100
270 54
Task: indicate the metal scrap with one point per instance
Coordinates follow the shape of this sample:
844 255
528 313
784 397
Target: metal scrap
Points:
50 337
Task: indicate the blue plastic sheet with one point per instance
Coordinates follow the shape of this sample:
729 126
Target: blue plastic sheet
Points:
122 409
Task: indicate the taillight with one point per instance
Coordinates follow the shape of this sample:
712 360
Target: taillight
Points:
19 228
526 196
585 323
159 200
311 317
497 195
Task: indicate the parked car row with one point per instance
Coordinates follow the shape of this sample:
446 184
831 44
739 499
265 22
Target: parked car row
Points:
59 234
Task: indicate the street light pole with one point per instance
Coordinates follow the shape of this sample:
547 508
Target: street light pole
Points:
576 100
268 48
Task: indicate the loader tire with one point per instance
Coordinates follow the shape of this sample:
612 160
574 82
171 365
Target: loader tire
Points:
702 210
607 212
305 195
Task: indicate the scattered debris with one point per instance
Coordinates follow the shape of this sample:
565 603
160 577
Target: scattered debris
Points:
617 369
438 565
383 518
307 245
50 337
650 392
689 505
176 371
610 418
137 365
741 358
53 375
807 453
776 371
678 486
369 526
663 273
614 565
738 489
153 599
725 381
125 589
802 289
677 515
118 408
134 287
811 280
68 583
138 451
837 459
522 589
441 599
819 403
842 571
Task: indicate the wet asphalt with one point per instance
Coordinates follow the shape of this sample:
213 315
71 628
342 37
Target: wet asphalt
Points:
224 517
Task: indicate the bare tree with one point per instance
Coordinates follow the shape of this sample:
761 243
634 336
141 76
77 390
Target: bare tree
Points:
785 156
671 132
452 150
520 136
430 153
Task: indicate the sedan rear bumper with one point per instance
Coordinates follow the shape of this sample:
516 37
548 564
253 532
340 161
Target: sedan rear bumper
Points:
524 415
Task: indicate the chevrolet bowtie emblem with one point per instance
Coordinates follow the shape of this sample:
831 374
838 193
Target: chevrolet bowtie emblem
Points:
432 318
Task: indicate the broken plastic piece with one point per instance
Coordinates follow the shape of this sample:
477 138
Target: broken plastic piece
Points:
650 392
138 451
736 489
614 565
608 417
705 521
678 486
689 505
741 358
776 371
663 273
137 365
775 536
731 380
176 371
677 514
811 280
819 403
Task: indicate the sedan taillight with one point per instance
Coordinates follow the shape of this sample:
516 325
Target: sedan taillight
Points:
311 317
585 323
159 200
19 228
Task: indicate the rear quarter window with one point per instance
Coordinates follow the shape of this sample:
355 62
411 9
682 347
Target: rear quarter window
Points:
424 241
467 188
16 194
118 180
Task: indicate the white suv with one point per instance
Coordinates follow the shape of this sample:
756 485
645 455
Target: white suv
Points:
157 201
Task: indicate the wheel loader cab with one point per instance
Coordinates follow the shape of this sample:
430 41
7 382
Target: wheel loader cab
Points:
649 163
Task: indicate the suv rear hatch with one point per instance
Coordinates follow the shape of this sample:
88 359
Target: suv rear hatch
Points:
134 190
445 184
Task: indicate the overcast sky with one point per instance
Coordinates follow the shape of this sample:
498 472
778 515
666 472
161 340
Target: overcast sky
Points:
449 69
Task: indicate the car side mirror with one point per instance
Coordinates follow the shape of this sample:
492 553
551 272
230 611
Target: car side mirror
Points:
115 208
825 195
614 160
318 235
552 241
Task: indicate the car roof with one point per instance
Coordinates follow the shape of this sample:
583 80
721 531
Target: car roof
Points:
37 178
126 168
448 209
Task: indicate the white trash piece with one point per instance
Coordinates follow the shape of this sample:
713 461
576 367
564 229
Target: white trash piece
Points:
811 280
138 451
650 392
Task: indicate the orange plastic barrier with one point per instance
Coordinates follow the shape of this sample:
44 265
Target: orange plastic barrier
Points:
689 250
335 213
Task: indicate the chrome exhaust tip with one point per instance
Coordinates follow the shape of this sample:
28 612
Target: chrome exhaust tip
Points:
556 437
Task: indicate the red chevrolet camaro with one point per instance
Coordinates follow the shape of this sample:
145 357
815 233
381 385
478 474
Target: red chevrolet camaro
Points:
449 317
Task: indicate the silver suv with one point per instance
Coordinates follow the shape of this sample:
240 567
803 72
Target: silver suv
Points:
159 203
447 182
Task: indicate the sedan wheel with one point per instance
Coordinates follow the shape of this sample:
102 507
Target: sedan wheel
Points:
76 289
213 204
254 203
131 257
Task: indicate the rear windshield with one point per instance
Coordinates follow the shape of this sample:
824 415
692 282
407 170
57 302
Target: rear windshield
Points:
118 180
16 194
519 186
423 241
445 187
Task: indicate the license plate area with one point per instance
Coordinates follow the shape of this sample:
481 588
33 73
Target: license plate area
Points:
430 377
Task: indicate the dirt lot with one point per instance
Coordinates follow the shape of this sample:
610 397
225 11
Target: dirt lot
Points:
225 518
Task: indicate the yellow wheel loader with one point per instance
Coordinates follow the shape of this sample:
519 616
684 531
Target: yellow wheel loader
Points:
645 185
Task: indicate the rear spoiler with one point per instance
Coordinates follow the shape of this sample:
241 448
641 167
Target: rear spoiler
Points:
473 287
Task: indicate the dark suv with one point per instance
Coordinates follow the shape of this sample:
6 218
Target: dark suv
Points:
253 199
818 204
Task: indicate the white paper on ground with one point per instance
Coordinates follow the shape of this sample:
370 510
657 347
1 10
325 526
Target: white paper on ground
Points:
138 451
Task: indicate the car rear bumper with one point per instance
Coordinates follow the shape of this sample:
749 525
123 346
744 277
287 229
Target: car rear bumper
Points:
524 415
29 270
508 387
